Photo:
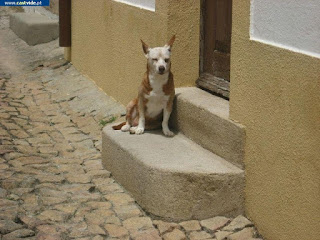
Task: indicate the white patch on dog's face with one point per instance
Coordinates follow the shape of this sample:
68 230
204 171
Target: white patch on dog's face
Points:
159 59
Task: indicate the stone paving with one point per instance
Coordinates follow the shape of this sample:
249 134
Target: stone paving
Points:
52 182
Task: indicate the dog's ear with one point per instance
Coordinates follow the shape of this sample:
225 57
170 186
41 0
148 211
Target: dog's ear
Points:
171 41
145 48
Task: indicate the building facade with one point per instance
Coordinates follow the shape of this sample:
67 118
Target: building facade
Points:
274 64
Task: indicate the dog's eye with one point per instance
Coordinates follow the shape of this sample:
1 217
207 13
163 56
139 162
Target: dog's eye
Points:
154 59
166 60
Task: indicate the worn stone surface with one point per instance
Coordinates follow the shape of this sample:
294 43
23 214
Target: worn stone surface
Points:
176 234
228 141
53 185
34 28
137 224
7 226
244 234
220 235
116 230
215 223
21 233
216 184
150 234
238 223
199 235
164 227
192 225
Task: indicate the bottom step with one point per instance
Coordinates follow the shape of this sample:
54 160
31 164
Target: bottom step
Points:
173 178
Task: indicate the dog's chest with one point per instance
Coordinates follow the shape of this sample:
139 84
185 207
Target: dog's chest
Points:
157 100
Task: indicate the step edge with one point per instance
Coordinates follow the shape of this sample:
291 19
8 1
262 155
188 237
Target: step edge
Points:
233 148
233 169
181 96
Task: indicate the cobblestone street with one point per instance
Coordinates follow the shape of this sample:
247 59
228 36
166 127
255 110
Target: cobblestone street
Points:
52 182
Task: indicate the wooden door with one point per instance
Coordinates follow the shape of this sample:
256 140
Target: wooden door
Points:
215 46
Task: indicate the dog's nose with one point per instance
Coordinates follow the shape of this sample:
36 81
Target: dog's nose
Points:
161 69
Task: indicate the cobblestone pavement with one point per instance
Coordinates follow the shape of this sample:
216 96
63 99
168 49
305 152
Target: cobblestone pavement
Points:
52 182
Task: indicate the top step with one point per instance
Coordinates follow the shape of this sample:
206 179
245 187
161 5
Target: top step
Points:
204 118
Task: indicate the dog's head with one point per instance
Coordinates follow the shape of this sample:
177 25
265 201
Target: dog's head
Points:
159 57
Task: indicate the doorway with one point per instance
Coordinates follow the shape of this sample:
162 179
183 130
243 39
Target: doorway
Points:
216 21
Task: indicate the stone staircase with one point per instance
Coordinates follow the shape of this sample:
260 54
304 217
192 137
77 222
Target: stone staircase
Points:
197 174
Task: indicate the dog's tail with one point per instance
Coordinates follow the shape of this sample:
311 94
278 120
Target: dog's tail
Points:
118 127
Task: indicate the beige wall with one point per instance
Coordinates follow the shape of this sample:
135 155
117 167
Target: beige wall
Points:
275 93
106 42
54 7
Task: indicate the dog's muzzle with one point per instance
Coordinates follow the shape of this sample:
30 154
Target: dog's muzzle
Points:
161 69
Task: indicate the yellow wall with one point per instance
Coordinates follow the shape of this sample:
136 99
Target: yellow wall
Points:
275 93
106 42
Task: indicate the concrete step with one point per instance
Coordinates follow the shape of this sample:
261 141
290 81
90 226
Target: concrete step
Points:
173 178
204 118
34 28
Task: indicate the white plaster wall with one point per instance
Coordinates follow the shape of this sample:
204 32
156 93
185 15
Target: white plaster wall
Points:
290 24
145 4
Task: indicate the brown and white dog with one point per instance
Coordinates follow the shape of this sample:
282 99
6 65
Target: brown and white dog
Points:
153 106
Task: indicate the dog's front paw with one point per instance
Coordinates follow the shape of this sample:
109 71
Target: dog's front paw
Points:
139 130
168 133
125 128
